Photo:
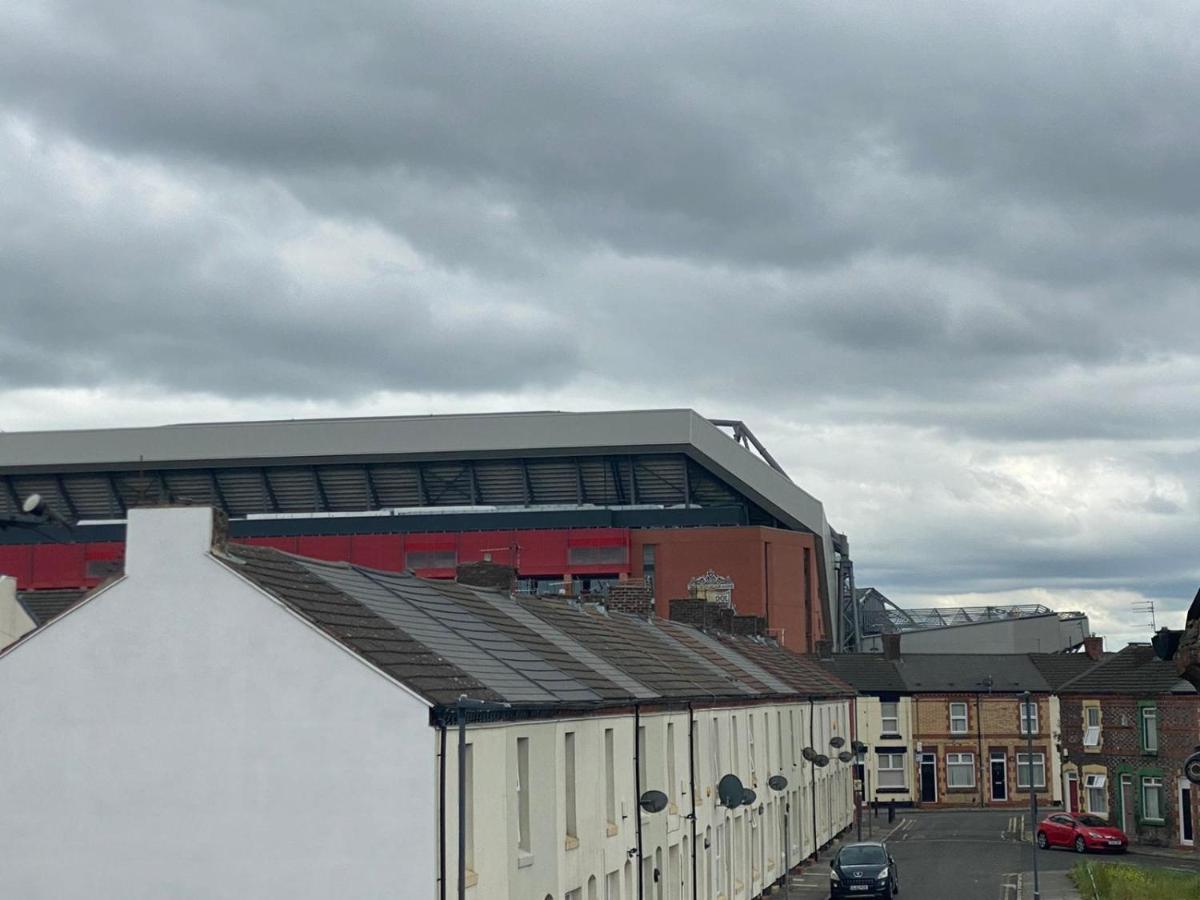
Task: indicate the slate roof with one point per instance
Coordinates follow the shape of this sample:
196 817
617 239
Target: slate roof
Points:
42 606
1059 668
996 672
444 640
1134 670
915 673
870 673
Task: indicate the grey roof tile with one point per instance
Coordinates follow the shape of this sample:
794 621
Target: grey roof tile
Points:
1134 670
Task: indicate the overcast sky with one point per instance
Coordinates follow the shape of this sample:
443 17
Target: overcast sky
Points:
942 257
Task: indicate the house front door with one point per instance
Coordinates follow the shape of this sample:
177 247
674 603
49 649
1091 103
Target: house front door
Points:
928 778
999 776
1185 814
1072 792
1127 819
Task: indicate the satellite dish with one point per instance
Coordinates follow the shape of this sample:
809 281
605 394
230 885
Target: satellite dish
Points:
748 797
837 741
1191 768
822 760
777 783
809 754
730 790
858 747
33 505
653 801
845 756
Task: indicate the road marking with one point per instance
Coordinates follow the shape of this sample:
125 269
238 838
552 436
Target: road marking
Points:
904 823
1010 886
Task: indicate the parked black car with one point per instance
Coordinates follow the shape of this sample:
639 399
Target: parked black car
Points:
863 870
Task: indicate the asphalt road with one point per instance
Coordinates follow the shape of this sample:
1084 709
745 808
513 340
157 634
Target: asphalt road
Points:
969 855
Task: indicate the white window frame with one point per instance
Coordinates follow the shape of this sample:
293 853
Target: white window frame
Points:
894 718
1155 782
1091 732
894 763
1038 764
1096 782
1149 729
964 718
1028 716
963 761
524 820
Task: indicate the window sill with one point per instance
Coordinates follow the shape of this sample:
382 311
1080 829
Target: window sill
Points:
891 736
571 843
524 859
1158 823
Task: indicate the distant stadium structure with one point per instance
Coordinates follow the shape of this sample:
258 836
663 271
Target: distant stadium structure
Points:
575 503
1016 628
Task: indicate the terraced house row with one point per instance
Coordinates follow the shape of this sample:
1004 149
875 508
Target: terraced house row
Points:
226 720
1109 733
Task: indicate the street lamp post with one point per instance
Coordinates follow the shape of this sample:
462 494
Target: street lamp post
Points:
1028 722
860 755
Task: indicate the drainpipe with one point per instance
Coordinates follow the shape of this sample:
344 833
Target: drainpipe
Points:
637 789
812 767
442 812
692 786
979 745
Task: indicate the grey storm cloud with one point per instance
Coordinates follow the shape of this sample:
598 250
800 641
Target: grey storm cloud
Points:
957 226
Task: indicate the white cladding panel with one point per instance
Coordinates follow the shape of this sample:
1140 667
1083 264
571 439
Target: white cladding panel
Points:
182 735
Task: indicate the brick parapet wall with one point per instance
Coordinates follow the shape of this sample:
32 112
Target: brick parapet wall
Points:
702 614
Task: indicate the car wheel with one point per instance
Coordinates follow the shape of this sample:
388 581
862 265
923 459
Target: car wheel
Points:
1042 841
1080 846
895 887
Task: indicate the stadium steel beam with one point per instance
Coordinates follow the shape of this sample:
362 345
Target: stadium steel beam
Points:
319 489
369 488
66 498
268 490
218 494
116 494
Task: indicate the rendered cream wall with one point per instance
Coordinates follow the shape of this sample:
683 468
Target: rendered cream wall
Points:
554 868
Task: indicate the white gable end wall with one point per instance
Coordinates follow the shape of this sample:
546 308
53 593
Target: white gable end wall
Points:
182 735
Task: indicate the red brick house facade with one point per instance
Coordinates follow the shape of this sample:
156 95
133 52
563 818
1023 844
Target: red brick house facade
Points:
1128 724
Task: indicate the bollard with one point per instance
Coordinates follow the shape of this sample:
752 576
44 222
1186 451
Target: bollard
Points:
891 811
875 809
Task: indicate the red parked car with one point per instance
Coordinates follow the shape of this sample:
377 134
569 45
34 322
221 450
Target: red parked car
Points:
1081 832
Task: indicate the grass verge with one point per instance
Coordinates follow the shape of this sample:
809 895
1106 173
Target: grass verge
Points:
1115 881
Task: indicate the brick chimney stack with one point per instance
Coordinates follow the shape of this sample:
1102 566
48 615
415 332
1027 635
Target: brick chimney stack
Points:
1093 646
891 645
631 596
487 574
824 649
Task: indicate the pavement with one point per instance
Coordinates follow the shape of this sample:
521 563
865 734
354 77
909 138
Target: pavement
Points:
974 855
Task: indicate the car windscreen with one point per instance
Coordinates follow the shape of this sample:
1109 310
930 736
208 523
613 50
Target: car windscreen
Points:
1092 821
862 856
